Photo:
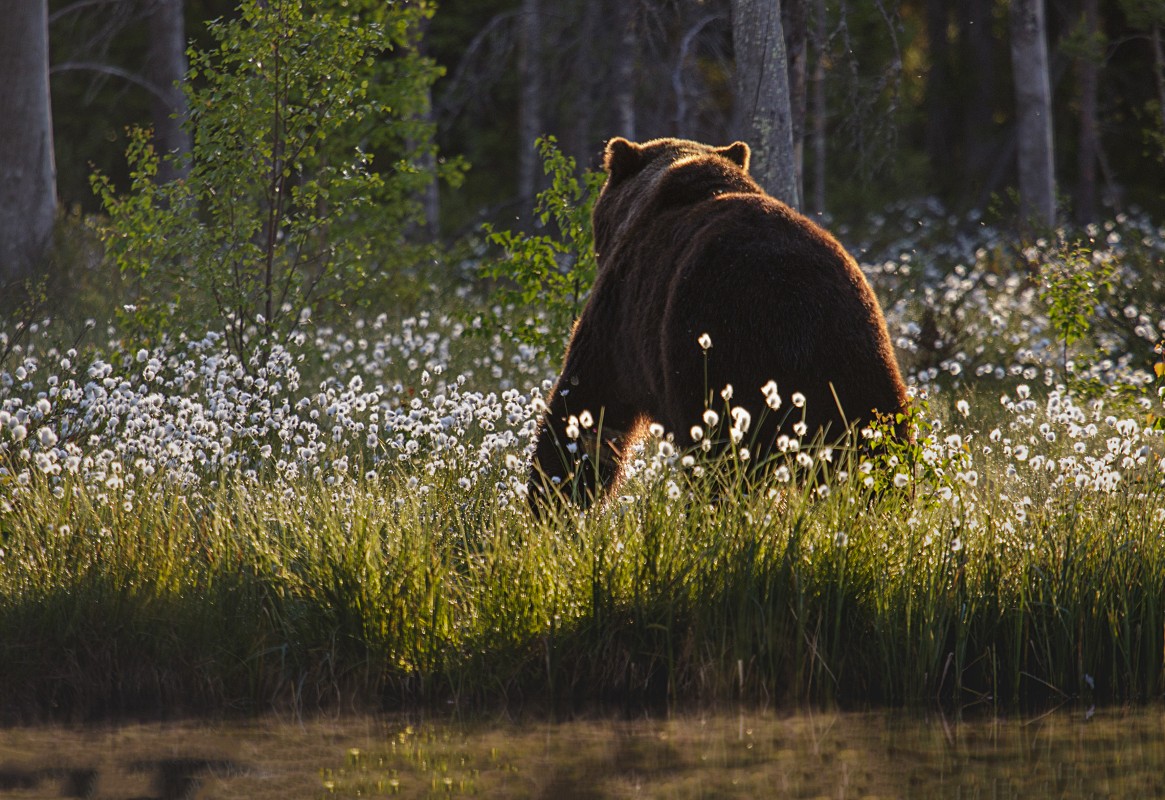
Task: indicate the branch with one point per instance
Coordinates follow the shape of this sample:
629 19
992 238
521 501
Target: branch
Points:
109 69
448 104
78 6
678 72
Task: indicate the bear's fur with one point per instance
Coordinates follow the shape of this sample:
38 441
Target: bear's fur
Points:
688 244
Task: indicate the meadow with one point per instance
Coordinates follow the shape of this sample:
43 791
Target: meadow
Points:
339 520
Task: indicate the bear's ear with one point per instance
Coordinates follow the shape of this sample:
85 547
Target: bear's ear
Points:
737 152
622 158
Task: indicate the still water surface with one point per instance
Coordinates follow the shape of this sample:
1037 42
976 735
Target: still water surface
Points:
1112 754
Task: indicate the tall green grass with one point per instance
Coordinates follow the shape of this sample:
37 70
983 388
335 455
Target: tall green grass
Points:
240 598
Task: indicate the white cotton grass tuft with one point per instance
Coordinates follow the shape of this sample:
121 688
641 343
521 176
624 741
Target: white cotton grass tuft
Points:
395 400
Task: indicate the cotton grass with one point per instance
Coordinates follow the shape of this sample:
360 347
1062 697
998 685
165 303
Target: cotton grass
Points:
342 518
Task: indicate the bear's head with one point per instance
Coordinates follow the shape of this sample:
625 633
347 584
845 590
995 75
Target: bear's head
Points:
623 159
643 178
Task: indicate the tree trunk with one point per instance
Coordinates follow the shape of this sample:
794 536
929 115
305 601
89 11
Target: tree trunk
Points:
577 139
1088 148
819 109
763 112
939 128
980 108
530 104
430 195
795 21
28 195
167 69
625 70
1033 97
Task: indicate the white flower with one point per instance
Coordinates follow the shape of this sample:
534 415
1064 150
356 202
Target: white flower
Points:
655 429
697 433
963 407
705 341
800 428
772 397
726 392
46 437
673 491
741 419
901 479
798 399
572 431
711 418
586 420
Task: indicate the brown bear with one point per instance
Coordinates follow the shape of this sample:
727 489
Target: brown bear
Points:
688 246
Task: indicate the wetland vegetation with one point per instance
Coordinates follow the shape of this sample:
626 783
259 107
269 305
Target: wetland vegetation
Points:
341 521
264 443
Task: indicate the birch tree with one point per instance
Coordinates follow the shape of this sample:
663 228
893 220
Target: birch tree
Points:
530 121
819 106
763 112
167 65
1033 98
28 196
1088 148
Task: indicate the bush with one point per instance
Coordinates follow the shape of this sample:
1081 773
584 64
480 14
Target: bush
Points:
280 213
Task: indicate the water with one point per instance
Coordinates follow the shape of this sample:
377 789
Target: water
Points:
1116 753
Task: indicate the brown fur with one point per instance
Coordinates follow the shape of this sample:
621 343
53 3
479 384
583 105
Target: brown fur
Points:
688 244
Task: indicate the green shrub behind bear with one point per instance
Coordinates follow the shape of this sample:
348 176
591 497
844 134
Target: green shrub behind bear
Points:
281 210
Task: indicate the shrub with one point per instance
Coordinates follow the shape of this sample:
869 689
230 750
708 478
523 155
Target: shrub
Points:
274 219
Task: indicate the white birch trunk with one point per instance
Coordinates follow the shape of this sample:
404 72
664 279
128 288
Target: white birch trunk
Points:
1033 98
763 112
167 65
530 103
28 194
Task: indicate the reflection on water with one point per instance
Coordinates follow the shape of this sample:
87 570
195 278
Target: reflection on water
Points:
1111 754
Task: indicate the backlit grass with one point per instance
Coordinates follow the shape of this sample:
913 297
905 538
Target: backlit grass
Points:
341 521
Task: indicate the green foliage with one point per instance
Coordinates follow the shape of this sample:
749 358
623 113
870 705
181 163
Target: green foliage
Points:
276 217
546 272
1143 14
1072 286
